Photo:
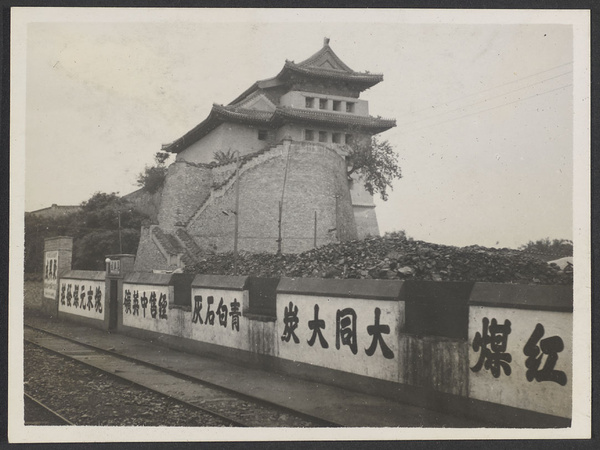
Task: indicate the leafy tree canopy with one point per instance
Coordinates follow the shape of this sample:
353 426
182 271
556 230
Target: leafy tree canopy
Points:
559 247
95 232
153 177
376 163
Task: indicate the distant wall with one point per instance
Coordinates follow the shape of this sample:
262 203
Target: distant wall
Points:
521 346
148 255
499 351
315 175
82 293
186 187
227 136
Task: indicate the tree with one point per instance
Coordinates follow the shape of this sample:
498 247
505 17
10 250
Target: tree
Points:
153 177
95 232
558 247
376 164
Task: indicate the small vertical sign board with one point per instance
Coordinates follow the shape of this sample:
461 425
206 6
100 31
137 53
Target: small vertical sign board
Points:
50 275
520 346
347 325
57 260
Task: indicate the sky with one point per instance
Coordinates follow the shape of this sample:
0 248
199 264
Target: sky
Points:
484 111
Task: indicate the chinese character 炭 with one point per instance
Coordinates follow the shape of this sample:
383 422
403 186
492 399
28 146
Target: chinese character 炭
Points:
290 320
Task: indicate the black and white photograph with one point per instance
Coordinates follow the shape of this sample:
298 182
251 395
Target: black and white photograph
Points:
290 224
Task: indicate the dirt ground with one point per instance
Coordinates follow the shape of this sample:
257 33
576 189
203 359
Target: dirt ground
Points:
32 295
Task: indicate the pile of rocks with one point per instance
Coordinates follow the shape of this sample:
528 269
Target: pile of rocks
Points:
393 257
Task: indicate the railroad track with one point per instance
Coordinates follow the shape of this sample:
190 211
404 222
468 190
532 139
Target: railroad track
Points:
183 389
37 413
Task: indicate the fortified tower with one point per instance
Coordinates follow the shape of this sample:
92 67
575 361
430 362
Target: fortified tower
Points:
290 137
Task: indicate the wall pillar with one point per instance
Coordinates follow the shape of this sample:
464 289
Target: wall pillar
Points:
116 268
58 254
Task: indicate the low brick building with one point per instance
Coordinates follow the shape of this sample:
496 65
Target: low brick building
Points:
289 136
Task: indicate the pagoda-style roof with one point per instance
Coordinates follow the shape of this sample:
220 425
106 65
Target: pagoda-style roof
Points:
279 116
324 64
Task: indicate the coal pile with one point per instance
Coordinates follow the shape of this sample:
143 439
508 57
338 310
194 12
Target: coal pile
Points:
391 258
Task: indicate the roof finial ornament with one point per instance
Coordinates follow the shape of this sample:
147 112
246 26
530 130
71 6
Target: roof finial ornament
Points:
325 41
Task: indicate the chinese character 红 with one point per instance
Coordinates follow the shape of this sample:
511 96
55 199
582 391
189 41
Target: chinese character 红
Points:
551 347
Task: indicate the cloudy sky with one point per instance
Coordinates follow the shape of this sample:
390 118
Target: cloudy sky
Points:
484 110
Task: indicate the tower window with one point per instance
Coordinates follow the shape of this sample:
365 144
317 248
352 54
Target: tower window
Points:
337 105
336 138
263 135
310 102
309 135
349 107
322 103
322 136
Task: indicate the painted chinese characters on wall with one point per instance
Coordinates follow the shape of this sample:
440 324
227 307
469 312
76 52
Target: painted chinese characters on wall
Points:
522 357
50 274
354 335
152 304
82 297
217 317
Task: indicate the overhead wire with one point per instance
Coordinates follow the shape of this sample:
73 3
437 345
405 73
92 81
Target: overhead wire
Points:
489 109
486 90
484 100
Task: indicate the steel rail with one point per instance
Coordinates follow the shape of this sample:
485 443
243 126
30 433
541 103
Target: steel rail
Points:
259 401
54 414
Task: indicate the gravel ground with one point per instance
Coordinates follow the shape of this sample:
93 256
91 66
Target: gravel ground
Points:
88 397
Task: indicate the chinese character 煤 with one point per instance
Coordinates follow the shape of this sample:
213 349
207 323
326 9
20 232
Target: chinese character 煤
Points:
495 357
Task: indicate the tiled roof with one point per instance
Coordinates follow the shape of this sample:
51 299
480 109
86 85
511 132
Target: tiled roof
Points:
323 64
369 123
220 114
366 80
325 54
